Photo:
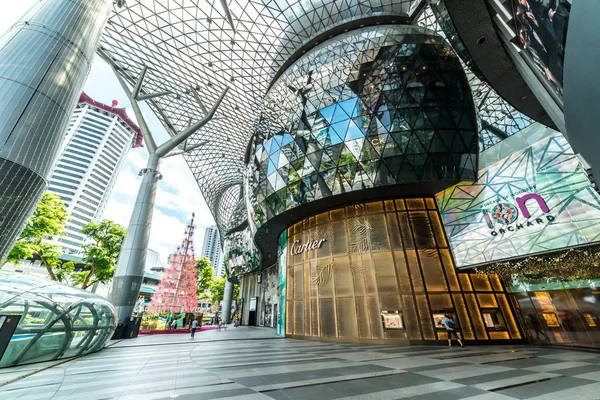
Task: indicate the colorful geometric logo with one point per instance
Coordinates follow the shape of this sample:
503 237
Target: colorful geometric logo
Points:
504 214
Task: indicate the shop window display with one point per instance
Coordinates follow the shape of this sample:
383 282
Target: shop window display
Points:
560 313
383 272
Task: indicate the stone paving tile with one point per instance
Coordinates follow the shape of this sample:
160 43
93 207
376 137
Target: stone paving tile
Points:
546 388
523 379
586 392
252 364
583 369
452 394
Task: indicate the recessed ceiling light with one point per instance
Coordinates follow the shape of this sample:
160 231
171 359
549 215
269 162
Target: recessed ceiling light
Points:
481 40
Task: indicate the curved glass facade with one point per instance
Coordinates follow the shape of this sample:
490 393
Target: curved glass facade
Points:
383 271
373 107
56 320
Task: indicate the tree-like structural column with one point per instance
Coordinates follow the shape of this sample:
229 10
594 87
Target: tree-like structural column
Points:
132 260
177 289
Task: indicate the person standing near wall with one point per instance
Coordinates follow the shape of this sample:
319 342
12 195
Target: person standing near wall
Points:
451 329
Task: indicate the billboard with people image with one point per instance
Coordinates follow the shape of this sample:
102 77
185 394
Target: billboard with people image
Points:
542 33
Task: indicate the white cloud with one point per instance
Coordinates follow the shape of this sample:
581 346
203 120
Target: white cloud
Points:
12 11
177 197
138 158
118 211
128 183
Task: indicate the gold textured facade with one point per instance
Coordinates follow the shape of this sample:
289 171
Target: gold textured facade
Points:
384 272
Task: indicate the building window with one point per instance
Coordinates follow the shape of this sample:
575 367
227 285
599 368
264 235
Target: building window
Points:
69 162
64 185
81 210
61 191
62 178
89 201
72 235
69 154
70 168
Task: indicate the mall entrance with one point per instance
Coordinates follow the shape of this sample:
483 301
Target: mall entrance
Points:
561 314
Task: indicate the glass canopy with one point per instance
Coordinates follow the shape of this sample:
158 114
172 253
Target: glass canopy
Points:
206 45
55 320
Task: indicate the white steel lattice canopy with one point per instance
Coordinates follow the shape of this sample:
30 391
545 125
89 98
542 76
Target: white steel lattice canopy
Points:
193 43
209 44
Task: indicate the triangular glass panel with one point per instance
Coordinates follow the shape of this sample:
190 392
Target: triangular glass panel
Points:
353 132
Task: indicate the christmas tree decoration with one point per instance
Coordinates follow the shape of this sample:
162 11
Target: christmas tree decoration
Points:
177 289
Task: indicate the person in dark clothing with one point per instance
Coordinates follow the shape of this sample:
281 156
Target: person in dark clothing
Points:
194 326
451 329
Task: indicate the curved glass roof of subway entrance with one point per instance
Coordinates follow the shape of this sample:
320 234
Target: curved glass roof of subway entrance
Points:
206 45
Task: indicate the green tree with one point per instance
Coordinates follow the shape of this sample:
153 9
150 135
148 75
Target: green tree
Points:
101 254
217 289
48 220
205 274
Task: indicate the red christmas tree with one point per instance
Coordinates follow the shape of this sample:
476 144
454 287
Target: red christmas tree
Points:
177 289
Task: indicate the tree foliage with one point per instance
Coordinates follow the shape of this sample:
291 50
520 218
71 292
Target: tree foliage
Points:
217 290
48 220
101 254
205 275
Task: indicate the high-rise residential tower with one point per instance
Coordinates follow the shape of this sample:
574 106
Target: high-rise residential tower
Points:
97 141
212 249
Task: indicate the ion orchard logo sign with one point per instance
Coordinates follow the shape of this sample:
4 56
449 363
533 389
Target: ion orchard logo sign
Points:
506 214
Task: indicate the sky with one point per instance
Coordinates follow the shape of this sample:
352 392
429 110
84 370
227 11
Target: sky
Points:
178 195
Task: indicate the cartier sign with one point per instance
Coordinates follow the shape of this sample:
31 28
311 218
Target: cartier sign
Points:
298 248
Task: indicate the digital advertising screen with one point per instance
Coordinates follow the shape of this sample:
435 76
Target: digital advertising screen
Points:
8 324
542 27
536 200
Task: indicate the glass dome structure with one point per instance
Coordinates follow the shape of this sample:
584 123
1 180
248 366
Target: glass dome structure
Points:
373 107
56 320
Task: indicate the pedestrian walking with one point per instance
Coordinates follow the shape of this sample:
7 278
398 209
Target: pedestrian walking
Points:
451 329
174 324
194 326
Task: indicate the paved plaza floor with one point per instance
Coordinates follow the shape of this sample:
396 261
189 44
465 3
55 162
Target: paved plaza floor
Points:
253 363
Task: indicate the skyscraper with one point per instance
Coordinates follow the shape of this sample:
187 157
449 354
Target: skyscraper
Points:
44 60
97 141
212 249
